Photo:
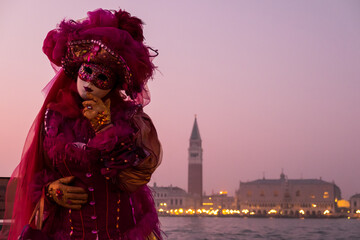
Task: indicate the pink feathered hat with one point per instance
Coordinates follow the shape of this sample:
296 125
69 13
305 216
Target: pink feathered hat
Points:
109 38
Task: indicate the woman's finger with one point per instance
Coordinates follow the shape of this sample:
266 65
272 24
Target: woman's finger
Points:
73 196
92 97
89 103
72 189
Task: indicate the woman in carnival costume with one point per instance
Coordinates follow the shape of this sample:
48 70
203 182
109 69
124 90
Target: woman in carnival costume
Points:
92 150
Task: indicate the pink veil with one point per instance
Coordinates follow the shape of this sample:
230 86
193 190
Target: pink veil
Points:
32 161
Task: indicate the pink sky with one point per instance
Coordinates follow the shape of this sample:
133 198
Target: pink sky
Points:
275 84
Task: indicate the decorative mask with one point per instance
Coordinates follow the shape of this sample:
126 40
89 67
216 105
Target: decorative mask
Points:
98 75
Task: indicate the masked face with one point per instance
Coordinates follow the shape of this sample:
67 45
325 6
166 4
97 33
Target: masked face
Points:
96 79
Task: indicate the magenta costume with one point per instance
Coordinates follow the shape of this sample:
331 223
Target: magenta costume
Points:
113 165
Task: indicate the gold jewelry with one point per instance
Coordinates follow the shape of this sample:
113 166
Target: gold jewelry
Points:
100 121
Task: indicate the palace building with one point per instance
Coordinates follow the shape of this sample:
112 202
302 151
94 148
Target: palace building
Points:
288 197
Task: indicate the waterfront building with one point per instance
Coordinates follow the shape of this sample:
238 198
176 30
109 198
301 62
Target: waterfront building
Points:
219 200
288 197
195 169
3 184
355 205
167 198
343 208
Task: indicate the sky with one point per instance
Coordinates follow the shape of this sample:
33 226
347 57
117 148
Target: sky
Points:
274 84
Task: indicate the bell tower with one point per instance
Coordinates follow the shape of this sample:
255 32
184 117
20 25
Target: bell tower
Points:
195 184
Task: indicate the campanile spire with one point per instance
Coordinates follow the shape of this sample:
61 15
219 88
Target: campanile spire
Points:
195 187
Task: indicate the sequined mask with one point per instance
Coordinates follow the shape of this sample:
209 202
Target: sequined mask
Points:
98 75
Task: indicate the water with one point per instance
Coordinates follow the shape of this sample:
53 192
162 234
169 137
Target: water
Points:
208 228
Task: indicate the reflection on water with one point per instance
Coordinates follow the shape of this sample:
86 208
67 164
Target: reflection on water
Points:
201 228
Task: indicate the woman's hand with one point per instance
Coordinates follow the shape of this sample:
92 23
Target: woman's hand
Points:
97 112
65 195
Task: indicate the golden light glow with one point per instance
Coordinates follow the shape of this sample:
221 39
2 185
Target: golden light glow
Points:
211 212
223 192
343 203
190 211
230 212
246 211
207 204
326 195
233 212
272 211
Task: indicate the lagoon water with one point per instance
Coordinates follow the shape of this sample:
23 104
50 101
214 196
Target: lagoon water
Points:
209 228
